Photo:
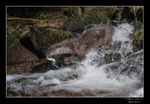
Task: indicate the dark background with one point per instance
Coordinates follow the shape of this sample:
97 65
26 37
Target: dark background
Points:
4 100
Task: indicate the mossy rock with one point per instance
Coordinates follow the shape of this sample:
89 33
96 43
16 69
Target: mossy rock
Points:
15 51
17 54
12 39
78 23
108 11
44 37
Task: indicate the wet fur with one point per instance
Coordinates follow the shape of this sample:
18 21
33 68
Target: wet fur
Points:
94 37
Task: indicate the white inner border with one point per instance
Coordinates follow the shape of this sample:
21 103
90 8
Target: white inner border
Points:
63 96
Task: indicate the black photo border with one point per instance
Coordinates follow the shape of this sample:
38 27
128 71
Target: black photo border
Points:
4 99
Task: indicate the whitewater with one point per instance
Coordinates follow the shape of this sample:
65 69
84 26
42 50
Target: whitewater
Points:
94 75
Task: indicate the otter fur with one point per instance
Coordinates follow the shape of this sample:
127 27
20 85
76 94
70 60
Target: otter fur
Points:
79 46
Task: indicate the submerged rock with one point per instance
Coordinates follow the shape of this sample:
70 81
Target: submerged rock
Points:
130 66
112 57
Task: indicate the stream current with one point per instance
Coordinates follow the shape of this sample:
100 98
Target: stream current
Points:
96 75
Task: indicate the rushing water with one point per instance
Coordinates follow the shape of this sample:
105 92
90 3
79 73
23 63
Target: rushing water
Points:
96 74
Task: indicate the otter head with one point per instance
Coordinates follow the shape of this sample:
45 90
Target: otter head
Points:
52 60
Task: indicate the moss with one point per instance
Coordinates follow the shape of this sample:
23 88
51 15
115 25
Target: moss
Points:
108 11
96 17
76 11
78 23
12 39
44 37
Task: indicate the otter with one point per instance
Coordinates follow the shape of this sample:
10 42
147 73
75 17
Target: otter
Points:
79 46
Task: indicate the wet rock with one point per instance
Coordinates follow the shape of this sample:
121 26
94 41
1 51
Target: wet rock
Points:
112 57
43 68
116 45
131 66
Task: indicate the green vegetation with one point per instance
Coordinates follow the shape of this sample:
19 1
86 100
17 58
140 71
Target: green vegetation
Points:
42 38
78 23
39 24
138 37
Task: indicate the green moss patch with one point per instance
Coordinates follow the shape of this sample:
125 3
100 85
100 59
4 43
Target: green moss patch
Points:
78 23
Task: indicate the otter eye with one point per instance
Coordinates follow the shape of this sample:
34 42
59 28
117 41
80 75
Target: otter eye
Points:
48 57
54 56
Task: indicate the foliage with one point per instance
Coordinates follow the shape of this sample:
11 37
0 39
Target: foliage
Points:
138 37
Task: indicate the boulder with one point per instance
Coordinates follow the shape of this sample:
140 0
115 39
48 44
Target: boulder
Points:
18 53
112 57
43 37
78 23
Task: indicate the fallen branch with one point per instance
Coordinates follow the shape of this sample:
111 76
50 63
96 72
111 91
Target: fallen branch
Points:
26 19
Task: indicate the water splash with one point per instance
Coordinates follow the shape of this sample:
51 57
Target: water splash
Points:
94 75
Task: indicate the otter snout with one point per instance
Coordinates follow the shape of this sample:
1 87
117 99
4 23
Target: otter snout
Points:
52 60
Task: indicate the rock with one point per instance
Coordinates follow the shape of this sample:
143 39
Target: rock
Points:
130 66
112 57
31 46
15 51
18 53
44 37
23 67
18 26
78 23
108 11
44 67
